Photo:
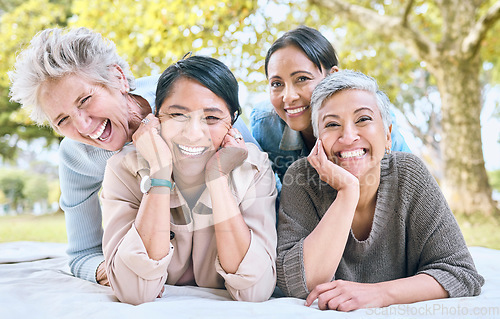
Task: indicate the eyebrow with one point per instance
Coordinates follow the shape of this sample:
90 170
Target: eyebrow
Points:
206 109
363 108
291 74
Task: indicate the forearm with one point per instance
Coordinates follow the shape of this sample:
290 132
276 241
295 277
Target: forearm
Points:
153 222
231 232
320 259
416 288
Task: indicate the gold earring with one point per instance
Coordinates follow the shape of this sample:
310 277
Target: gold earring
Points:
388 151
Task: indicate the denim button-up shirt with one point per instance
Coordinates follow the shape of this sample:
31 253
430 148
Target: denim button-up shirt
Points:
284 145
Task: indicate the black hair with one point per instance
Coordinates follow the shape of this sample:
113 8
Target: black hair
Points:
315 46
210 73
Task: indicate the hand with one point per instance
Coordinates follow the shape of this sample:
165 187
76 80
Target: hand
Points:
329 172
232 154
344 295
101 276
151 145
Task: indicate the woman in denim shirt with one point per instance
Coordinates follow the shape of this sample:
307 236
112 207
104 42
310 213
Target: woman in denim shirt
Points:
294 65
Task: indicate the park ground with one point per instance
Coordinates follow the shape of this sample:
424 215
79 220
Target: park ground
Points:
478 230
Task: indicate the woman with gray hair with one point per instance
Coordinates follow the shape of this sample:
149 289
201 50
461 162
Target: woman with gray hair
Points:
75 80
360 226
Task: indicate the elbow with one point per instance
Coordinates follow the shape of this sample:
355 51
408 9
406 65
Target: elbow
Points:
134 296
134 300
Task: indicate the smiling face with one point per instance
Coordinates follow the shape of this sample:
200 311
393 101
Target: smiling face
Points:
352 131
292 79
89 112
194 121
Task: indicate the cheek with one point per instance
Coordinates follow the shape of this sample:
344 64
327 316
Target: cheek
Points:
217 135
276 101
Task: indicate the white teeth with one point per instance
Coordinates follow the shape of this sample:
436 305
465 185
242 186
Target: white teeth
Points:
295 111
191 150
350 154
100 131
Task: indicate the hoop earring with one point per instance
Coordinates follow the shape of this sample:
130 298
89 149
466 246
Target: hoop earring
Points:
388 151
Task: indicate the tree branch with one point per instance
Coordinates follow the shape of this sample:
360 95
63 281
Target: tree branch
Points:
393 27
472 41
404 18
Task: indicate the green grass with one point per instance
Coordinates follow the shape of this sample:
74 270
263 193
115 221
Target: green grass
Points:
26 227
478 230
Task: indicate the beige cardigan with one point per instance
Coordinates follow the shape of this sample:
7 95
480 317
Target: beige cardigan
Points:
135 278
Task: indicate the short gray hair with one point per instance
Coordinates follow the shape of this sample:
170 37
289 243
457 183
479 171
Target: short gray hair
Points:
55 53
348 80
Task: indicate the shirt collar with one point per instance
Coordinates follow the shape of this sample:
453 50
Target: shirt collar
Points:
291 140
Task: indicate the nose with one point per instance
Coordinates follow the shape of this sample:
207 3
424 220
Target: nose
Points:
349 134
290 94
194 129
82 122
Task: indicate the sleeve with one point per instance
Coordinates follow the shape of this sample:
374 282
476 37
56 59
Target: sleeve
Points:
256 275
297 219
398 141
435 240
133 276
81 169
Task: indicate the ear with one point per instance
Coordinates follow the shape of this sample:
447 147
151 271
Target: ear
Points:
334 69
388 144
119 75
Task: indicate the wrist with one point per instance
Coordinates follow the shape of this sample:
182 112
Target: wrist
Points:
216 182
164 172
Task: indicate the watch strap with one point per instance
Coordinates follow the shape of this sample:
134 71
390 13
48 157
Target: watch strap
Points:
161 182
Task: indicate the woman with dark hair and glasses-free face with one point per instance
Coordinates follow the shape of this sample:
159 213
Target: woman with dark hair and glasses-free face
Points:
294 65
190 203
76 81
361 226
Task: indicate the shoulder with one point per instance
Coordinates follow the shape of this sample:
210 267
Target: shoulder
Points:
80 157
407 166
256 158
148 80
263 111
302 175
127 161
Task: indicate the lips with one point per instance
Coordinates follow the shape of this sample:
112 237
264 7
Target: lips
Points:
295 111
191 150
352 153
101 133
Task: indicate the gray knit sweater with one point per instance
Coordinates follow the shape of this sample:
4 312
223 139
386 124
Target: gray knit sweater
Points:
413 230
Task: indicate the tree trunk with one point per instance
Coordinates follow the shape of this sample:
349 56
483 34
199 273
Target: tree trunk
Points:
465 182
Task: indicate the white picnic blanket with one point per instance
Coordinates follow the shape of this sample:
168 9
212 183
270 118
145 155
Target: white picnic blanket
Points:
35 282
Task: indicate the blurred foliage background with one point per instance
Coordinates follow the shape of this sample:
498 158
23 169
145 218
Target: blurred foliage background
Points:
152 34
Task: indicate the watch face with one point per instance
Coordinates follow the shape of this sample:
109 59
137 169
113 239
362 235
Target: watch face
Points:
145 184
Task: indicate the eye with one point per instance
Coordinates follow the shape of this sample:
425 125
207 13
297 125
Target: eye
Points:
302 79
85 99
363 119
276 84
211 120
331 124
178 117
61 121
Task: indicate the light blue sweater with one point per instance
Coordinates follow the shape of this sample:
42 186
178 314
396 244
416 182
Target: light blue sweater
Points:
81 171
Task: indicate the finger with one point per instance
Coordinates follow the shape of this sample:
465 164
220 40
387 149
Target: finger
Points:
348 305
319 289
325 297
334 302
321 152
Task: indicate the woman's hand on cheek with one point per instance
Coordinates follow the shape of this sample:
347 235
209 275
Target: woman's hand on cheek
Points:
329 172
231 154
151 145
346 296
